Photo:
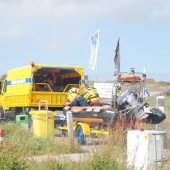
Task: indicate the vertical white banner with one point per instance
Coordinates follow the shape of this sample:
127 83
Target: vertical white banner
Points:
117 60
94 42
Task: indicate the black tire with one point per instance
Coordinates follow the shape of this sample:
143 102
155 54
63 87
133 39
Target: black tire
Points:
157 116
2 114
11 114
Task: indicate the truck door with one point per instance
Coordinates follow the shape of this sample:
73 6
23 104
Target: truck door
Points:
2 87
2 82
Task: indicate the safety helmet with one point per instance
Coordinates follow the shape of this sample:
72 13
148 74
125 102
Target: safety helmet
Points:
72 93
74 90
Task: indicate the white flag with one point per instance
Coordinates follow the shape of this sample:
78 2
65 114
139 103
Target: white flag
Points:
94 42
117 60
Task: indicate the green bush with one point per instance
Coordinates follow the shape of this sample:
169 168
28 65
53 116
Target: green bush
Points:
102 162
48 165
11 161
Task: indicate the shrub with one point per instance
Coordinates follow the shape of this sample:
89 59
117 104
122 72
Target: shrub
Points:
102 162
48 165
11 161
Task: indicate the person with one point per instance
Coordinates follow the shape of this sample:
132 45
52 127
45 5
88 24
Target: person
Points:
57 82
48 86
39 87
92 97
75 99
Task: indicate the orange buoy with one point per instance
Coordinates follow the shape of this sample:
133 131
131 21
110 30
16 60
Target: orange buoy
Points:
130 78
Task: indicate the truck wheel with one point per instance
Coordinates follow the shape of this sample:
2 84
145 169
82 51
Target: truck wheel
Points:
12 114
2 115
80 135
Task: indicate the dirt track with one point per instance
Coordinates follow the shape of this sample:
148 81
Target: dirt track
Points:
87 151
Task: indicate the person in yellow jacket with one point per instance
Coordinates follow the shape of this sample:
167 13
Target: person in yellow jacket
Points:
75 99
92 97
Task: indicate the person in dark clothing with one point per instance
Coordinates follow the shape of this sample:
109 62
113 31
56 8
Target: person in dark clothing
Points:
74 99
78 101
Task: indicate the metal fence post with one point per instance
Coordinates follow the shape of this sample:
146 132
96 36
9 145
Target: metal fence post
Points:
160 103
70 124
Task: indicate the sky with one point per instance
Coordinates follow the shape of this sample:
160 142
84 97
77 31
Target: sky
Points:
57 32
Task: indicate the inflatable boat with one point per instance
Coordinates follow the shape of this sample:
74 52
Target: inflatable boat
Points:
128 106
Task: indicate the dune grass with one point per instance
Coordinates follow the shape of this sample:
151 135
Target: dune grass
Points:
20 143
109 155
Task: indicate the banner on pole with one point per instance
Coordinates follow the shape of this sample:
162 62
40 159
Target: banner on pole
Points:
117 60
94 43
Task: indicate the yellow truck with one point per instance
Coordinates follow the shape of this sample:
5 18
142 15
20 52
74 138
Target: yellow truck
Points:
24 87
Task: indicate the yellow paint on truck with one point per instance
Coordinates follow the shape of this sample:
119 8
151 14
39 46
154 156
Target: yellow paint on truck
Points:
25 86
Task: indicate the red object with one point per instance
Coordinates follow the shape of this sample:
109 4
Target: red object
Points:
1 132
1 138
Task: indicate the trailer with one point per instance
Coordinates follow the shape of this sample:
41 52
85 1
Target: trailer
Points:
128 109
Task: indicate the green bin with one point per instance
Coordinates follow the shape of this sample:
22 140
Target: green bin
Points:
22 119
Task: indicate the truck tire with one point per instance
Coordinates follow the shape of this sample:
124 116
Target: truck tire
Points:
11 114
2 115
